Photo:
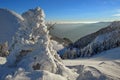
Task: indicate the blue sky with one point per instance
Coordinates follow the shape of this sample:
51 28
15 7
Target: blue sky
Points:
69 10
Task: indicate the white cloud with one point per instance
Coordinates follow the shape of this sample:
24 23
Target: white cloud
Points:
118 10
117 15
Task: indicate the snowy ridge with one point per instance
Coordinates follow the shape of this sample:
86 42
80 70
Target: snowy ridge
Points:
12 13
105 41
102 43
9 24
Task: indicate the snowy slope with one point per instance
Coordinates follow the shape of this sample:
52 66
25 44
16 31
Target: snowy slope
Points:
84 41
104 66
107 39
9 24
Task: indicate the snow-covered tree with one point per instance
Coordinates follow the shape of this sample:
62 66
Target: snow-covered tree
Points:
33 50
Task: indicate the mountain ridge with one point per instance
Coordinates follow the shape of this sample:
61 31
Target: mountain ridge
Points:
103 39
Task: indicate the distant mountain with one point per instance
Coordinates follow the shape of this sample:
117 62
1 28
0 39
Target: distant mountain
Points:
104 39
84 41
76 31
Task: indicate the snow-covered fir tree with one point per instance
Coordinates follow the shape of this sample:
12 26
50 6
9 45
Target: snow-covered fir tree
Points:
33 51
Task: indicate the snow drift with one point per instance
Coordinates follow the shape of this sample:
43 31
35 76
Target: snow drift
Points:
104 66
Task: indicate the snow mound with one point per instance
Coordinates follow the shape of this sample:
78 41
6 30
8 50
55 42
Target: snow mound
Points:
20 74
9 24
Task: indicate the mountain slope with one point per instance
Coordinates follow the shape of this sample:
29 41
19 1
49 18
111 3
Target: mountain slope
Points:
84 41
107 38
104 39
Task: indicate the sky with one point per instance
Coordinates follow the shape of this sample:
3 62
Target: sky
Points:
69 10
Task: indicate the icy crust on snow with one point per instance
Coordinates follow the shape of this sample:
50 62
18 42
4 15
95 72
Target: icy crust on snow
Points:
9 24
33 51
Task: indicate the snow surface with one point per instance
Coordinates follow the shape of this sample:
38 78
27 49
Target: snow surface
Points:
9 24
104 66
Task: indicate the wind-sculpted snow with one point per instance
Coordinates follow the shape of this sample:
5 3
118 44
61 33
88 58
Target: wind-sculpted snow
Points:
32 52
105 66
